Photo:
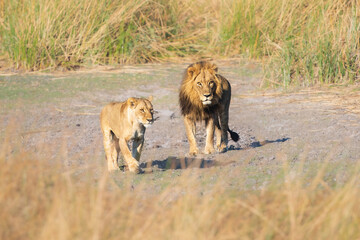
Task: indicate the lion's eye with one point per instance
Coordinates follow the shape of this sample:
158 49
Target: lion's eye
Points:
211 84
199 84
142 110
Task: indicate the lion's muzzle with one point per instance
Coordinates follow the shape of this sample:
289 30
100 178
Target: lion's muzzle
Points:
206 100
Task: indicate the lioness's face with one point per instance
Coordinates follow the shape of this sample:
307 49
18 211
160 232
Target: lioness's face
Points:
144 112
205 86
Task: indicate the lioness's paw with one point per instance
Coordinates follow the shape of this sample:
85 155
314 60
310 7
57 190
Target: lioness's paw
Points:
110 170
112 167
193 151
134 167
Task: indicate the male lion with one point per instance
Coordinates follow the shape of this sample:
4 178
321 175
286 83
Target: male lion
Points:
121 122
205 95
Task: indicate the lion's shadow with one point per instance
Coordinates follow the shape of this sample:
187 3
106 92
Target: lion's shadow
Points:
173 163
257 144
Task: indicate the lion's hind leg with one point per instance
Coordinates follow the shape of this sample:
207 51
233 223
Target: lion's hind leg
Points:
221 133
218 135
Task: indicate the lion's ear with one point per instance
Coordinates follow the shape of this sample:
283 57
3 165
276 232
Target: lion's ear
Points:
132 102
214 67
150 98
190 71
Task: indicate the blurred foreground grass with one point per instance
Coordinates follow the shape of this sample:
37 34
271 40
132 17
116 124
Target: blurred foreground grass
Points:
42 199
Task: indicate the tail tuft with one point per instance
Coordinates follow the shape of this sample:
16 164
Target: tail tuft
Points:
234 136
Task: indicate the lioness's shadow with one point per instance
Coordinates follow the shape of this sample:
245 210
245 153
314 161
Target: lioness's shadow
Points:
183 163
173 163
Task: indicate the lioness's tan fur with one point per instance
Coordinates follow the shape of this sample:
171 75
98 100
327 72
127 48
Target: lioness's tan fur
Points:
121 122
205 96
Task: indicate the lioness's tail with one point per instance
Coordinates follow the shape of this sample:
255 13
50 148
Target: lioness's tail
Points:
234 135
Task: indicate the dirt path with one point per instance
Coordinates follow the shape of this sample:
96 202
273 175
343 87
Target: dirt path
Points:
59 120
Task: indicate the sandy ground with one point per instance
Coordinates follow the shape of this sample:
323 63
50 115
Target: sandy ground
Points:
308 125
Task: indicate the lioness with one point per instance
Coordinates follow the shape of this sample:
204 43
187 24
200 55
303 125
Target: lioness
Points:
205 95
122 122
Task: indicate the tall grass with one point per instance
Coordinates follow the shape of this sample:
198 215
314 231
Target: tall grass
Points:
303 42
307 41
317 42
43 200
37 34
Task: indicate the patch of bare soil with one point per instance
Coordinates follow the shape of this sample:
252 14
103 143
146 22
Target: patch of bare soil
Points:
308 125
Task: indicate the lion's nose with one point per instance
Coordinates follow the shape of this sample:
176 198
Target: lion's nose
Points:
207 95
149 119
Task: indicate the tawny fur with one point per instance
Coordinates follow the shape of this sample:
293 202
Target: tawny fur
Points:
205 96
121 122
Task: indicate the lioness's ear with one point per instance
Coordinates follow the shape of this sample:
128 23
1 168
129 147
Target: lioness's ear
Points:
150 98
132 102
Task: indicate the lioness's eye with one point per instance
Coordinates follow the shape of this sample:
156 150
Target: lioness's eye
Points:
199 84
142 110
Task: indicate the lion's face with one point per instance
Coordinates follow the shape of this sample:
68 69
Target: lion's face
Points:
205 86
204 82
143 110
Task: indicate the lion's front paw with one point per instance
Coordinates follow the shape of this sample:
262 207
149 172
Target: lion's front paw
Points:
209 150
134 166
222 148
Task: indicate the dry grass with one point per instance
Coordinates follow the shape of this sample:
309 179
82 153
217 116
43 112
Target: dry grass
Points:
43 200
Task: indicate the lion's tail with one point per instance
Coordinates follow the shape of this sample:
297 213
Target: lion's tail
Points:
234 135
